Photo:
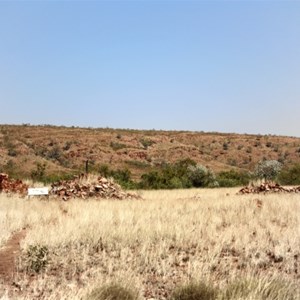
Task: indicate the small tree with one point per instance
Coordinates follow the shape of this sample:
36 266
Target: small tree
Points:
200 176
268 169
39 173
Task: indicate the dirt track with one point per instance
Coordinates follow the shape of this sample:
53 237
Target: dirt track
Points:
8 256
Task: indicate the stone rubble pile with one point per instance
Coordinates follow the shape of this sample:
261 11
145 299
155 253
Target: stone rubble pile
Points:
268 187
8 185
101 188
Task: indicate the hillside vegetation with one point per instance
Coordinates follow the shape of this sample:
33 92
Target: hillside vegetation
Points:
27 151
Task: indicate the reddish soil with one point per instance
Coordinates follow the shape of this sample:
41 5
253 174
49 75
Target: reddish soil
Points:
8 256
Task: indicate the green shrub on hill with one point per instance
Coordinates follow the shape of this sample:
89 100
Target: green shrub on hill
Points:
233 178
201 176
290 176
268 169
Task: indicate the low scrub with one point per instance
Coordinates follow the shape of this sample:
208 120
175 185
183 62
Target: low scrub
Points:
195 291
233 178
290 176
117 146
37 258
113 292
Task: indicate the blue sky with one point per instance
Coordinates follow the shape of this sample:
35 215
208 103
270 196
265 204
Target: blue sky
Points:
228 66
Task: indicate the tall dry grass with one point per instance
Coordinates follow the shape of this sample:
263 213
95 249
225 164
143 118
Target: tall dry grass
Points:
155 244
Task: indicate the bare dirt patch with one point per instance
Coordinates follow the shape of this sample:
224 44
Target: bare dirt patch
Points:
8 256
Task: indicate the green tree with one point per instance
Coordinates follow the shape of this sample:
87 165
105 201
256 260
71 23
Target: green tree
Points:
268 169
200 176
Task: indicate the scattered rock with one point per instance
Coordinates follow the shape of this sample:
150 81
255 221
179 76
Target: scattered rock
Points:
8 185
82 188
268 187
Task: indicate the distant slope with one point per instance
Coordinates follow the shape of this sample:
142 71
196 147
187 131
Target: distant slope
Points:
65 149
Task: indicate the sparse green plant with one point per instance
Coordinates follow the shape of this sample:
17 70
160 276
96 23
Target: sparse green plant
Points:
117 146
55 153
195 291
146 143
39 173
249 150
12 152
268 144
67 146
10 168
113 292
137 164
104 170
225 146
232 161
37 258
11 147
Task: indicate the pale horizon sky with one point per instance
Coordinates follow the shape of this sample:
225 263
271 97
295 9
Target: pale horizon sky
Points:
226 66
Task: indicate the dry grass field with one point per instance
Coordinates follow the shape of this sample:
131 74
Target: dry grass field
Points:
246 247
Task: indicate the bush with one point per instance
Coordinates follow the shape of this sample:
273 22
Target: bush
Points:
268 169
233 178
55 153
171 176
113 292
195 291
12 152
200 176
151 180
104 170
117 146
121 176
290 176
10 168
146 143
183 174
37 258
39 173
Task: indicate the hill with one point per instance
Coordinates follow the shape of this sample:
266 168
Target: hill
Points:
66 149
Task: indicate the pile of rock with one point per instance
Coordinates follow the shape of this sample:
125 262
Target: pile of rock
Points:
268 187
8 185
99 188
